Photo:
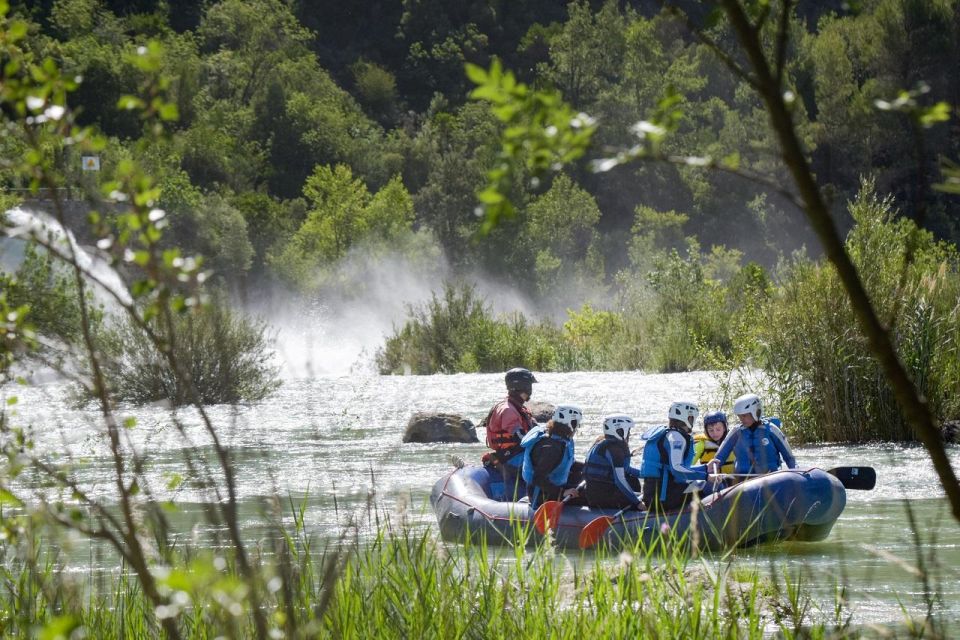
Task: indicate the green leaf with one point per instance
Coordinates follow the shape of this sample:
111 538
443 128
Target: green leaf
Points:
130 422
12 400
130 103
930 116
489 93
476 73
17 30
490 196
168 112
174 482
731 161
7 498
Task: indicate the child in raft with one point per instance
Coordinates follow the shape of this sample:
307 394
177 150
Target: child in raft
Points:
706 444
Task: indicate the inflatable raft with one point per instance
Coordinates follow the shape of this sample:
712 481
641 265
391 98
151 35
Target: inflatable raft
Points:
796 504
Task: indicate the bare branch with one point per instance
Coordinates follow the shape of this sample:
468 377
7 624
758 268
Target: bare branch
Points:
705 39
783 36
915 409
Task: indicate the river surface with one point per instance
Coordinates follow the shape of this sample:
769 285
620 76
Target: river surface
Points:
336 440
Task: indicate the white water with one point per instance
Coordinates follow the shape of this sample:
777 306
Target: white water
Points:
333 434
22 225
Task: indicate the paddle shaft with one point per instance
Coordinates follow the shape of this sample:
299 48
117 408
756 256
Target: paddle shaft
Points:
857 478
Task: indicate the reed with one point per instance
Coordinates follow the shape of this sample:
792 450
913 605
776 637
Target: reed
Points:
830 386
404 583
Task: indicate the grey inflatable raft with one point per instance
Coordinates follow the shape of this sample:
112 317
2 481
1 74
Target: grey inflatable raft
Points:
797 504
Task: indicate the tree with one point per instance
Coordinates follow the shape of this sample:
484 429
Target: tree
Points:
560 229
342 214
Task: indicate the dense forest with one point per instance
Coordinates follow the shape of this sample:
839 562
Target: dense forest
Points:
309 128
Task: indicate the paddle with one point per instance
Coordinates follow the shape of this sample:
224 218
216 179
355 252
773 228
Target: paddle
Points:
548 514
856 478
597 527
859 478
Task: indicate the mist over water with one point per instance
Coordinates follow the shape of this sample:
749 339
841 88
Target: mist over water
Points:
338 331
332 435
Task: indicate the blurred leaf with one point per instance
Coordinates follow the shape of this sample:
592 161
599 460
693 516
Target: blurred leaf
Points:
60 628
7 498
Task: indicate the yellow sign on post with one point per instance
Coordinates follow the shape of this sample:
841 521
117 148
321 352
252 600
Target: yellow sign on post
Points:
90 163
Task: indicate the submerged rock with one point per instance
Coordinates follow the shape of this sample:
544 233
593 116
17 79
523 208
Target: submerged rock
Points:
951 431
439 427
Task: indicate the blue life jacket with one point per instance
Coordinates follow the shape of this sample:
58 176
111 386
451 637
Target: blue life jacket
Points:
656 458
597 467
559 474
755 451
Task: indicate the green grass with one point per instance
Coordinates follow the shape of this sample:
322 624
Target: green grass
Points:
404 583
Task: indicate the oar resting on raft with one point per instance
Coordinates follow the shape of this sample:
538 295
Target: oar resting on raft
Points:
860 478
547 516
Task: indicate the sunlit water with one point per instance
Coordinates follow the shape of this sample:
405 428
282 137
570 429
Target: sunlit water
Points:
337 441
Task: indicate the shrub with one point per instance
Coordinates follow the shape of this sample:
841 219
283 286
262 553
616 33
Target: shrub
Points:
225 358
458 332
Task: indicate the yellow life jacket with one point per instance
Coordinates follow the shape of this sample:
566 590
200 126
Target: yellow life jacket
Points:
705 450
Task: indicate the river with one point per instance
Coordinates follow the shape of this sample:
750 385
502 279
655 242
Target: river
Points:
337 441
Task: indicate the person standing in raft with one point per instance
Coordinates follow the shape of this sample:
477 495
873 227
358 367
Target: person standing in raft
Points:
758 443
549 470
611 481
706 444
668 458
508 421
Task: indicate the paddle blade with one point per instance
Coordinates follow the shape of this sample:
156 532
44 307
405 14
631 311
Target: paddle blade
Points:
547 516
594 530
859 478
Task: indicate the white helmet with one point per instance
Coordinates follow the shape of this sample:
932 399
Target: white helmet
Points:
618 425
569 415
685 412
748 403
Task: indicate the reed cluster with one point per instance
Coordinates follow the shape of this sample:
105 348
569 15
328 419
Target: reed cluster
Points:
404 583
830 386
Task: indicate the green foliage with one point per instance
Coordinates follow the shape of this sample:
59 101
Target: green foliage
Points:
821 367
677 320
541 132
458 331
560 226
226 358
48 294
404 583
587 52
376 87
343 214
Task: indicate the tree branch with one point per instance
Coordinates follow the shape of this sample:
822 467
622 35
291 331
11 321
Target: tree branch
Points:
915 409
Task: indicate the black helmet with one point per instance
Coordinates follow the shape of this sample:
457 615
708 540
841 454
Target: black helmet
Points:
519 379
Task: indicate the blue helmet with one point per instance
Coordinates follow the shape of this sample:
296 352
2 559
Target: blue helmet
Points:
716 416
711 418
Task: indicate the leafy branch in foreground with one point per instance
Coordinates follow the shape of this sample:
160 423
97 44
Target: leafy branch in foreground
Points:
166 288
541 133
